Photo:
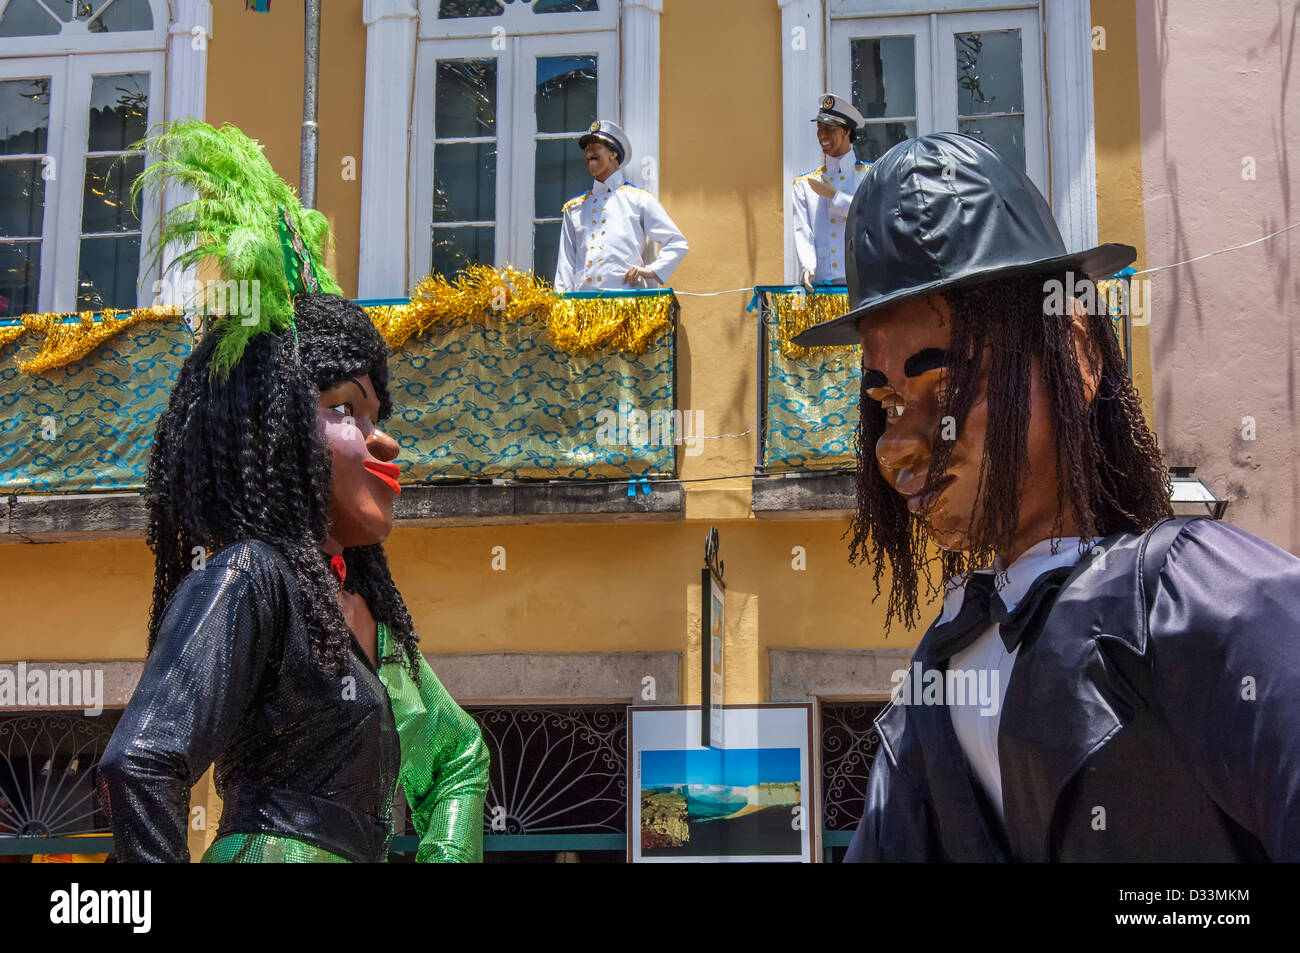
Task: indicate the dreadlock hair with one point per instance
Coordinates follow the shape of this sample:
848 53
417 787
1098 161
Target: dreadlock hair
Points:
239 456
1108 464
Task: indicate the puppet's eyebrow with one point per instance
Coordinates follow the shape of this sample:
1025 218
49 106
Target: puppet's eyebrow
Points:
925 360
873 378
916 365
359 387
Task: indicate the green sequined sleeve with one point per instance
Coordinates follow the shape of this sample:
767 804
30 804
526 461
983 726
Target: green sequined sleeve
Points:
444 765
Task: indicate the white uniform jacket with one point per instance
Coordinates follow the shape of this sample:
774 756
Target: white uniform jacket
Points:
819 222
608 229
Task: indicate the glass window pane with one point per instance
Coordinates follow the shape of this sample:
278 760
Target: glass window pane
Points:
465 182
455 249
546 249
989 77
27 18
20 277
24 116
22 198
108 273
566 93
876 138
561 173
123 15
465 101
884 76
119 111
453 9
107 201
565 6
1006 134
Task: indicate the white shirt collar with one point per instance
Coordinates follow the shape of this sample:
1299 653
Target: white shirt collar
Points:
837 164
1021 574
609 185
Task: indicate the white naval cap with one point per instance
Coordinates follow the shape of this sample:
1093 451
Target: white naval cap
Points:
838 111
602 130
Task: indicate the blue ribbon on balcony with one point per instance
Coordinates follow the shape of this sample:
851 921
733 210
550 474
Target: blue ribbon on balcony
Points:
631 487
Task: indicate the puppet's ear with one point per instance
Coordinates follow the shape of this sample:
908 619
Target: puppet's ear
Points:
1085 348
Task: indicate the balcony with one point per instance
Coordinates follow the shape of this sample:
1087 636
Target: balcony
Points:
497 423
807 408
808 399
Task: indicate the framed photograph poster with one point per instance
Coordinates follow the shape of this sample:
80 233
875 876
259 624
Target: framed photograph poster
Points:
753 800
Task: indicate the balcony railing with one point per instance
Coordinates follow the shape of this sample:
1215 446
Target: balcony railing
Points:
807 398
478 400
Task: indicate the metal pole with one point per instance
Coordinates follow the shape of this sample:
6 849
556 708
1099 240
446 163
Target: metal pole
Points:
310 80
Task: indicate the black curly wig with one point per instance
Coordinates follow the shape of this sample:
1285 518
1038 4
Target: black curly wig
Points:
242 458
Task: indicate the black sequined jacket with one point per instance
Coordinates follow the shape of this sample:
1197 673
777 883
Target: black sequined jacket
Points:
232 679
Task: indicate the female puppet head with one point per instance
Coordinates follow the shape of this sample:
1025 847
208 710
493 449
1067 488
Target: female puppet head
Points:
272 430
284 447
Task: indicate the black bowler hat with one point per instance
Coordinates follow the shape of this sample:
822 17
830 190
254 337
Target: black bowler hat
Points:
946 211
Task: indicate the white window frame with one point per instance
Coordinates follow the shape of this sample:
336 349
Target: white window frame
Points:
174 53
844 32
71 77
947 26
516 131
75 38
516 20
936 68
400 36
1070 155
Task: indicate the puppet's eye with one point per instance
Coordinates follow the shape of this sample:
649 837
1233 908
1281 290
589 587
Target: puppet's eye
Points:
894 410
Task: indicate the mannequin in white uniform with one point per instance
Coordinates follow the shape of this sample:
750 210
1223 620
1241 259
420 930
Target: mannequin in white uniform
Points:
822 197
609 235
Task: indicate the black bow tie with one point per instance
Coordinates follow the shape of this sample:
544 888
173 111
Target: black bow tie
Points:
982 606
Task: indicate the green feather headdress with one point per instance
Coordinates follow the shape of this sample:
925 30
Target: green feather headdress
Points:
245 218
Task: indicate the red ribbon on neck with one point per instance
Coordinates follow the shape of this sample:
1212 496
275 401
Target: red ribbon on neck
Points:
339 568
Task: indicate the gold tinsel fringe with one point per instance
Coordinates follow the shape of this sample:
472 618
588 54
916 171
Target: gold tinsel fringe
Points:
586 325
576 325
64 343
796 313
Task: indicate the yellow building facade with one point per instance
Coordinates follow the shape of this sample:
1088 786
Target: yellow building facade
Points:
492 598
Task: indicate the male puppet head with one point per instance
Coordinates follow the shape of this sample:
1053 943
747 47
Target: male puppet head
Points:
996 411
606 149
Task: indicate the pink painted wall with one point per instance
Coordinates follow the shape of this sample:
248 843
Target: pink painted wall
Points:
1219 82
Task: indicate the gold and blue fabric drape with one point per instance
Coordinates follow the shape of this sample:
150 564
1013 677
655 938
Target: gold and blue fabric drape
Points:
812 393
499 399
87 425
484 396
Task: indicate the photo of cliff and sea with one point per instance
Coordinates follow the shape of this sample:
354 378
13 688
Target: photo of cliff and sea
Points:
720 802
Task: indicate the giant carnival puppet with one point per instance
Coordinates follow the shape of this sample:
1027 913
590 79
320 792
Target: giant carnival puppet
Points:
1147 669
279 647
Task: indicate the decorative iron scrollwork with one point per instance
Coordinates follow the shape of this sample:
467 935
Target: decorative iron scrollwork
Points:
46 772
555 770
849 742
711 558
